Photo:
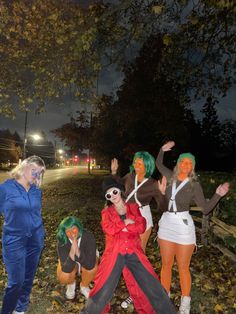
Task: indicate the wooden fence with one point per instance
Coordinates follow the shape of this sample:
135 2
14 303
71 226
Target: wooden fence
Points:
209 225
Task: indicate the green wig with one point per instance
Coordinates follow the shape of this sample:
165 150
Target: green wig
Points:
148 160
187 155
65 224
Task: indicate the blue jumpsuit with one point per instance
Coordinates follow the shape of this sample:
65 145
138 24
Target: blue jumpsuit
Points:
22 241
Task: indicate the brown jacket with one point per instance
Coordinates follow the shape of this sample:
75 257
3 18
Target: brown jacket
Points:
148 191
191 193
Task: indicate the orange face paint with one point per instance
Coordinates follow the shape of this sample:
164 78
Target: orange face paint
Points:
139 167
185 166
72 233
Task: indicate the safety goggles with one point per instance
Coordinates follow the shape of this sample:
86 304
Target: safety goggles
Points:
115 191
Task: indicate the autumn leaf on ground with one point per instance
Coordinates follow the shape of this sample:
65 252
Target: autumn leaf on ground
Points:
213 275
218 308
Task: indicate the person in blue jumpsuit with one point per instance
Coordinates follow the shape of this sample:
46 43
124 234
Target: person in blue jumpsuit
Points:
23 232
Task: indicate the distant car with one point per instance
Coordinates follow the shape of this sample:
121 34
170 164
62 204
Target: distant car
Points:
95 167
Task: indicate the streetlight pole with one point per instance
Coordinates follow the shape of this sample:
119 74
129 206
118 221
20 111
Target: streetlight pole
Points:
55 147
89 155
25 135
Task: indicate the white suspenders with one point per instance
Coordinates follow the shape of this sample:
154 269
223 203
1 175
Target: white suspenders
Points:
134 192
174 192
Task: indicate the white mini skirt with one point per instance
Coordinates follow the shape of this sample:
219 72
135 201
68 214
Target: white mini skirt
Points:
147 214
177 227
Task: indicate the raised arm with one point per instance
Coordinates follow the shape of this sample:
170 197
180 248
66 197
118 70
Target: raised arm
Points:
206 205
159 161
114 166
114 169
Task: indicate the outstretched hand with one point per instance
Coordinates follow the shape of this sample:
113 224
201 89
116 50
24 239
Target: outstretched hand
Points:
166 147
114 166
162 185
223 189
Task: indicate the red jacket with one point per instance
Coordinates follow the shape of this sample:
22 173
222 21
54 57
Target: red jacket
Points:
120 241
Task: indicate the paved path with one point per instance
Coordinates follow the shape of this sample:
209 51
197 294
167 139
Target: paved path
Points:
53 174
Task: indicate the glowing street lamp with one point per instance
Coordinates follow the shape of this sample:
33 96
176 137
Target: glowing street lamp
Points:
35 137
59 155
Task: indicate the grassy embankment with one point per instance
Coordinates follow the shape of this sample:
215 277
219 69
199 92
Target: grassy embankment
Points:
214 280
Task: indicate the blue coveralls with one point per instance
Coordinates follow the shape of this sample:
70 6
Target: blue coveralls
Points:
22 241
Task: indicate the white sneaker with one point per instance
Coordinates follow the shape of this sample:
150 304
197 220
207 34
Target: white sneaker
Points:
127 302
85 291
185 305
70 291
15 312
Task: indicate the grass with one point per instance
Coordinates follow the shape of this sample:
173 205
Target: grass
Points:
214 280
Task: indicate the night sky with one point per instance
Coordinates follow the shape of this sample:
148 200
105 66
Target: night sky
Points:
55 115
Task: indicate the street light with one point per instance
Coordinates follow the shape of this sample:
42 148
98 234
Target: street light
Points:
35 137
59 155
25 134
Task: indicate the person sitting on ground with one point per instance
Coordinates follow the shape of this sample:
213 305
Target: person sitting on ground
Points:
77 253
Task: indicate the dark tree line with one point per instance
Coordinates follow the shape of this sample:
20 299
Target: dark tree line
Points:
10 146
76 133
149 110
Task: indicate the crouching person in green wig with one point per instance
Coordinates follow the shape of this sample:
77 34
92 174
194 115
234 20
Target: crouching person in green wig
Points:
77 255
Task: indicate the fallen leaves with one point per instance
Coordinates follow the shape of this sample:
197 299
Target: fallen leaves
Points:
213 275
218 308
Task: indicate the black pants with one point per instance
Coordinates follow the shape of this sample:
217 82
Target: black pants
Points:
150 286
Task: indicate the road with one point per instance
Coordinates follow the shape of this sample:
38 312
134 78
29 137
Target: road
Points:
54 174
